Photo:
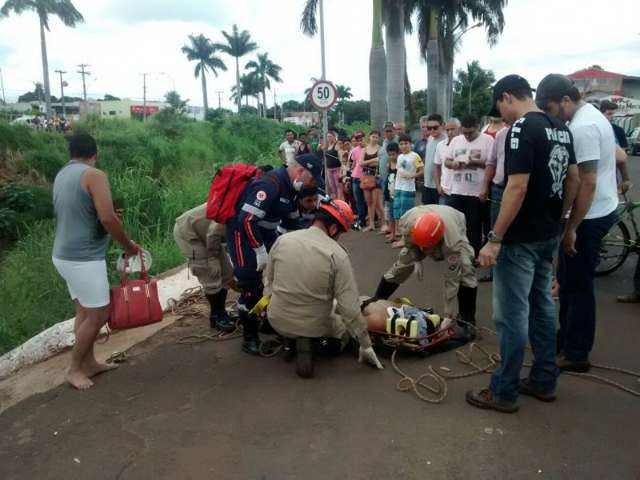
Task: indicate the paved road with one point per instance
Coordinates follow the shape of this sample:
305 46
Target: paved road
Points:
208 411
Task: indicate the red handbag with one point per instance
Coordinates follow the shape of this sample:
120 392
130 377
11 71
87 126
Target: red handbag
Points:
134 303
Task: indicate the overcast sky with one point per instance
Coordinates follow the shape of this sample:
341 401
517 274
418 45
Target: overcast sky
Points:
121 39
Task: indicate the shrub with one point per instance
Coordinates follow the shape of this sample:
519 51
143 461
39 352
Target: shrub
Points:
157 170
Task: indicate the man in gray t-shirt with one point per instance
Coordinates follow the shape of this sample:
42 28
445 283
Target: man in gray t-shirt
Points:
85 218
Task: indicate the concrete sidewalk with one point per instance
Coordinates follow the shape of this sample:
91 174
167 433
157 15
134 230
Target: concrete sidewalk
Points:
208 411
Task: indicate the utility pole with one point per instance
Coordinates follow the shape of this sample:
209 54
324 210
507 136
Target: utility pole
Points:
325 116
220 92
84 74
64 111
144 97
4 100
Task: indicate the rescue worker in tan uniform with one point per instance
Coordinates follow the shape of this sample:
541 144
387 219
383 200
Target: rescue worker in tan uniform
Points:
202 242
439 232
312 287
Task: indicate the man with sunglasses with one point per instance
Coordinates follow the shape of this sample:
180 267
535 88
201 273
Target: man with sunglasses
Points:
314 295
265 203
432 129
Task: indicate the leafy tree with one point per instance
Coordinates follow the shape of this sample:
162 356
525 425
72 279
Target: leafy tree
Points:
292 106
238 45
110 98
472 92
176 104
265 70
358 111
203 51
63 9
36 96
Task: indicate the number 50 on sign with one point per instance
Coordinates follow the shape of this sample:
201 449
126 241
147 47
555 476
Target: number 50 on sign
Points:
323 95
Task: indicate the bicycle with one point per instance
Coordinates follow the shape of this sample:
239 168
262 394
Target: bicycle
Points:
617 243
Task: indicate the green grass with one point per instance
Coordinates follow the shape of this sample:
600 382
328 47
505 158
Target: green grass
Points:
157 170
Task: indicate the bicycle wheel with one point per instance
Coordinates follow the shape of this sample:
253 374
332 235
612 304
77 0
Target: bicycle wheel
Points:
614 249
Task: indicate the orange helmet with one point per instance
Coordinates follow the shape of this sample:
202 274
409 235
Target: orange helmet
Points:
341 211
428 230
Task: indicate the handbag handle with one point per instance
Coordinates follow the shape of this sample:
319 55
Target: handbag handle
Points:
143 271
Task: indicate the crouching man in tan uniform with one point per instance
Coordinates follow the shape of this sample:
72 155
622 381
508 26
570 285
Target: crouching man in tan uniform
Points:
201 241
313 289
439 232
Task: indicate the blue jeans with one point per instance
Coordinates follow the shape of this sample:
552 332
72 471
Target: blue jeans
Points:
361 204
523 307
577 296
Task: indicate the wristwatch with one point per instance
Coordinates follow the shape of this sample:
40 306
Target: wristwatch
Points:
493 237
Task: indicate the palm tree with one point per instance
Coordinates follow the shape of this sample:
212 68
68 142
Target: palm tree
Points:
238 45
264 69
203 51
394 19
441 25
344 93
377 58
250 86
377 70
63 9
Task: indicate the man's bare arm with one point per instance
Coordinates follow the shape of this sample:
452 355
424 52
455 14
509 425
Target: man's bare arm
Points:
512 199
571 186
588 173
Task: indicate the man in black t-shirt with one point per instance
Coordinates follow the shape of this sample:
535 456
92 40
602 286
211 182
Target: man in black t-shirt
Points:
542 181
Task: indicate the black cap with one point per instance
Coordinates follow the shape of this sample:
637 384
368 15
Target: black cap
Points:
552 86
314 165
508 84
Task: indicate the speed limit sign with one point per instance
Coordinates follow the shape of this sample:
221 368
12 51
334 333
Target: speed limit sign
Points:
323 95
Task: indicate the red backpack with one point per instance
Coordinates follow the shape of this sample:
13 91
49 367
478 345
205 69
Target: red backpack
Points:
228 184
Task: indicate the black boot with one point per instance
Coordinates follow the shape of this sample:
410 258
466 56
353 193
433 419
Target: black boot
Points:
304 357
250 341
467 309
219 318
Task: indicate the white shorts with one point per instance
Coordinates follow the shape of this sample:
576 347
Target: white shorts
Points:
87 281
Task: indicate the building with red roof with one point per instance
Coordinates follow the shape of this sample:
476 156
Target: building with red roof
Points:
596 82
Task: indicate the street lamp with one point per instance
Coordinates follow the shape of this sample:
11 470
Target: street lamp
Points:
173 82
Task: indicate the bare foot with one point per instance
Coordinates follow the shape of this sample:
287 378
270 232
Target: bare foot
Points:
398 244
95 368
78 379
368 229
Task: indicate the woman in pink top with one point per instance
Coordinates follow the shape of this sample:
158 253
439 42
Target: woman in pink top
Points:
356 173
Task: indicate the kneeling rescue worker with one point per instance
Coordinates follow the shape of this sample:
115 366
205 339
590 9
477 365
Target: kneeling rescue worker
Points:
439 232
266 202
201 241
313 288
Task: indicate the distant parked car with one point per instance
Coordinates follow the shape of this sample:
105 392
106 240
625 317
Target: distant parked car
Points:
634 141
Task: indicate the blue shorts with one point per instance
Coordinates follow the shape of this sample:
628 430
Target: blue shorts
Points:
403 202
